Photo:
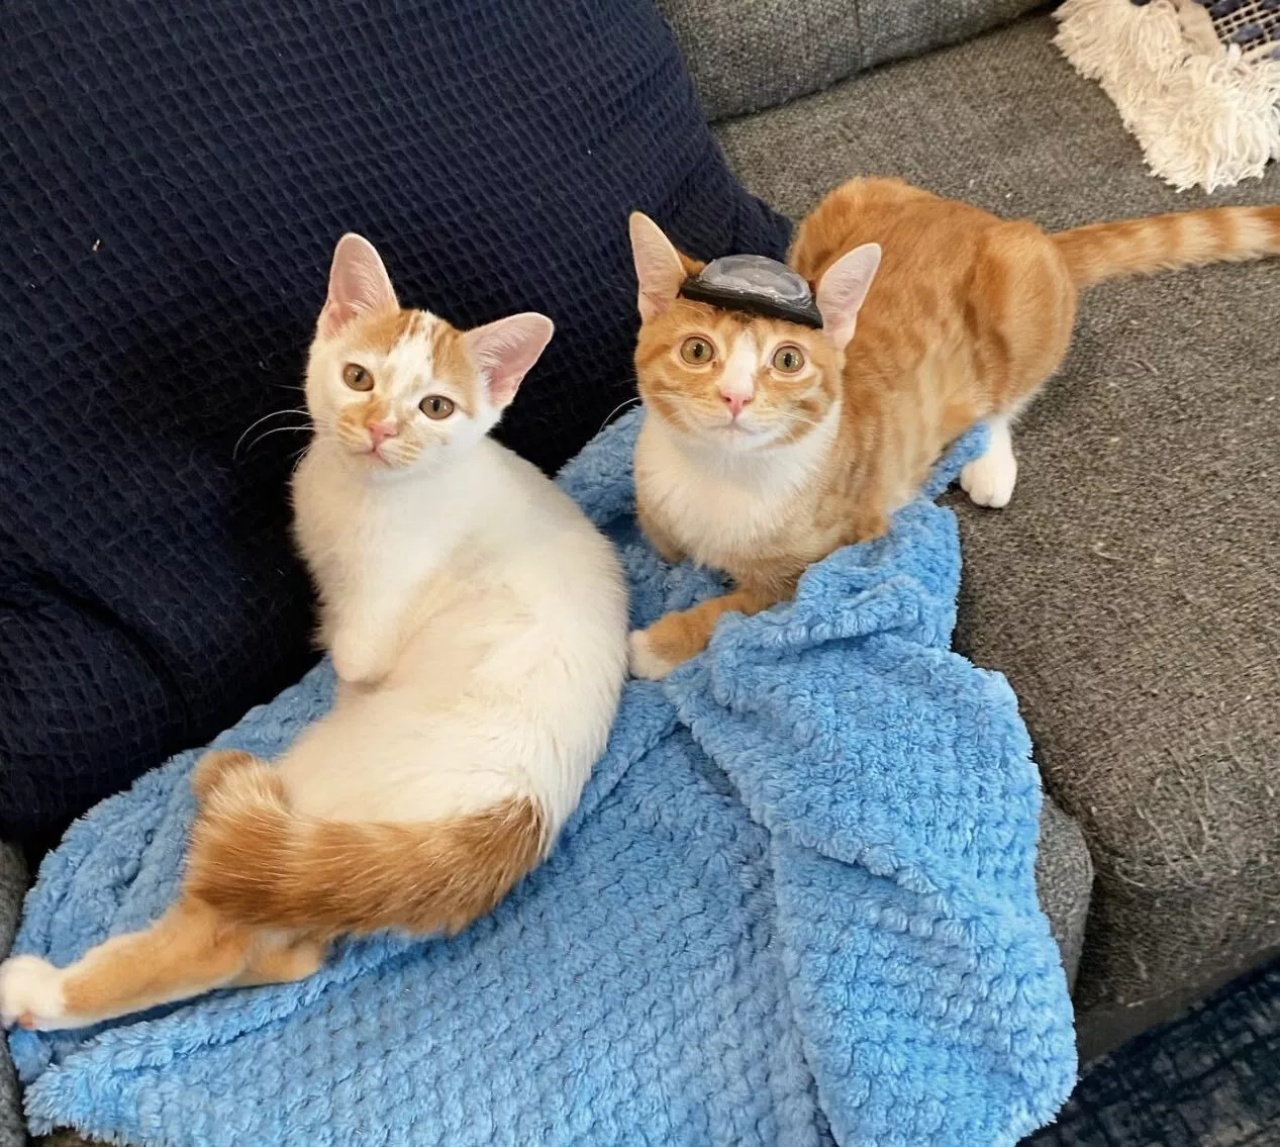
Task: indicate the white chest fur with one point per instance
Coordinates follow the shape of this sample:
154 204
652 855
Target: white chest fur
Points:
723 506
372 544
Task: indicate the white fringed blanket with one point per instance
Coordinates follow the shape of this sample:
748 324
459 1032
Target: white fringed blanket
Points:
1197 82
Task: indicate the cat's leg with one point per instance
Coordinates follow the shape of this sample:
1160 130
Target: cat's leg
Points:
188 951
283 962
673 639
989 480
214 767
363 647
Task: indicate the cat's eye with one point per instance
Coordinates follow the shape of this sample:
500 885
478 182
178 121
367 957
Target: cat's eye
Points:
436 406
697 351
356 377
788 359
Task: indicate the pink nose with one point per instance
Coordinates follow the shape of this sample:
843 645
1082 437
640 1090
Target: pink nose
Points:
735 402
381 431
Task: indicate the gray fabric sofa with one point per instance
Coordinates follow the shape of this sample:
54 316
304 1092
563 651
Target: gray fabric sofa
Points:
1129 590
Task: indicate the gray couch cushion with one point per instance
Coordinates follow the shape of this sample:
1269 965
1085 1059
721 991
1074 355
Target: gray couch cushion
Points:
751 54
1129 591
1064 881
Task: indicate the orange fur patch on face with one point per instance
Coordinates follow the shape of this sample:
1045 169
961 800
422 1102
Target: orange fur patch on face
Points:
390 347
377 334
396 351
258 864
367 409
449 361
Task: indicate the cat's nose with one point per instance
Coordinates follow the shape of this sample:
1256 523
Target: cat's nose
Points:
381 431
735 401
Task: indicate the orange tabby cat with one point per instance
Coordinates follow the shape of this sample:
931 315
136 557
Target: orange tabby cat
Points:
767 444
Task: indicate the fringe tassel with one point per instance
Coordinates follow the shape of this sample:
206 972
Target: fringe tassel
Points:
1203 112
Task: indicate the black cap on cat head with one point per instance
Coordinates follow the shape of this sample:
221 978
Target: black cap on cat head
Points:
756 285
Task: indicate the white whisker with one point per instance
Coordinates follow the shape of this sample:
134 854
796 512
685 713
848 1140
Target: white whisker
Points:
258 422
620 406
803 421
275 430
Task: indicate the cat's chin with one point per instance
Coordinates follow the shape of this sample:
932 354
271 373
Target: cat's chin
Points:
733 437
377 468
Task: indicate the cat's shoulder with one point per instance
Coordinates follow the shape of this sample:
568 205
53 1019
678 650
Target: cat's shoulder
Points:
522 493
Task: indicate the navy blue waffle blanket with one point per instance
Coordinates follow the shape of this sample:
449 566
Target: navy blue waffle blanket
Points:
797 902
173 177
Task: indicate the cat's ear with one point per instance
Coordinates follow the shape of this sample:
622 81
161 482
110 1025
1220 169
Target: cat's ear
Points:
659 268
503 352
358 285
842 290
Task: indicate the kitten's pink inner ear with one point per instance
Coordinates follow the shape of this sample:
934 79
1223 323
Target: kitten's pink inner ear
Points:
503 352
659 271
843 289
358 285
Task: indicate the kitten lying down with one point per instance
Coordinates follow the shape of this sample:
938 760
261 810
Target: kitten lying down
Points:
478 626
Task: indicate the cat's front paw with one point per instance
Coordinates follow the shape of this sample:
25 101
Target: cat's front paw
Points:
31 994
646 662
989 480
357 661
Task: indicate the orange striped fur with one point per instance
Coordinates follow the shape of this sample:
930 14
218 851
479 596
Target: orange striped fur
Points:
256 862
1168 242
266 891
966 318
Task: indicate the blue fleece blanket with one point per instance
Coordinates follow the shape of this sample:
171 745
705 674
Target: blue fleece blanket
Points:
797 904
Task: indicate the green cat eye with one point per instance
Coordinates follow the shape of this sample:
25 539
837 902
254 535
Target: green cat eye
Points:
697 351
436 406
788 359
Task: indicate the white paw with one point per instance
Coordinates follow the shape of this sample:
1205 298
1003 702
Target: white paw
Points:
357 662
644 662
31 995
989 480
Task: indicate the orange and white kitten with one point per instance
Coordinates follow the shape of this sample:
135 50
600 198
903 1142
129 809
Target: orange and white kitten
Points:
767 444
478 627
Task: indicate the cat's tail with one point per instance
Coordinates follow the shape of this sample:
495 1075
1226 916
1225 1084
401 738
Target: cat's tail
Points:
257 862
1167 242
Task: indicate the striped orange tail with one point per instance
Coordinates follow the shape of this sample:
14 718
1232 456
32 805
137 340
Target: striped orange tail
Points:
256 862
1167 242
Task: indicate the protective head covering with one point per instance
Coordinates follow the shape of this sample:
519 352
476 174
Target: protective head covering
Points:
757 285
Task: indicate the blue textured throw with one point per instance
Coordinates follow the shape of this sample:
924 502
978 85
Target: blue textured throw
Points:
796 904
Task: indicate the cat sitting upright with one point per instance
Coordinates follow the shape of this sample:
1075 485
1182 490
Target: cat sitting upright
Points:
478 626
773 434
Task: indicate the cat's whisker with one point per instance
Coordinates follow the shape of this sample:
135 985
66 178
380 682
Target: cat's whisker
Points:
621 406
258 422
803 421
276 430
